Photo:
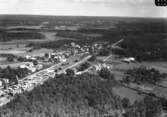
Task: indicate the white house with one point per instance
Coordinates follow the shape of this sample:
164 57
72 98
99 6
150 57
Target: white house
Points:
130 59
29 66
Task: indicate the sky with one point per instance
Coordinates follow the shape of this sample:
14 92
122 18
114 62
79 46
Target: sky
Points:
130 8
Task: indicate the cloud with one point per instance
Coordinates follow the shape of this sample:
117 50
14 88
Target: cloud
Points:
136 8
119 2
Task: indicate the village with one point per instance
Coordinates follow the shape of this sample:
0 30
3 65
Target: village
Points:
59 62
79 59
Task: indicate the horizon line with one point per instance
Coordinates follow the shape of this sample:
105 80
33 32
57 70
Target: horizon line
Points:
83 16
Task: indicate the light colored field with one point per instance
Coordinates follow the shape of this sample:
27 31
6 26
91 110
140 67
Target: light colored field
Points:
8 46
25 26
2 58
15 49
39 52
16 52
119 65
161 66
161 91
19 51
127 93
13 65
49 36
118 70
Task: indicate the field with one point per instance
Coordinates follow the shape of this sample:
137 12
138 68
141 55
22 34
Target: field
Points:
120 67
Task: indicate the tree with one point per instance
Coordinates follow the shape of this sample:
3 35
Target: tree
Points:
35 62
153 107
10 58
143 75
164 103
106 74
70 72
83 66
46 55
125 103
55 70
93 58
104 52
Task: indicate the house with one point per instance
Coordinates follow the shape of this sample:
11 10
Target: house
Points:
29 66
30 57
128 60
98 67
39 66
1 83
4 81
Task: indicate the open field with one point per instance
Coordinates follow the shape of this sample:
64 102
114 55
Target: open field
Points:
118 70
161 66
128 93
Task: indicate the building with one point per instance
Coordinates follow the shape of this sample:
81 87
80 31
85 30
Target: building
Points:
128 60
39 66
4 81
98 67
30 58
29 66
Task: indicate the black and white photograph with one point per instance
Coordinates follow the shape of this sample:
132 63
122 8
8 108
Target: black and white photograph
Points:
83 58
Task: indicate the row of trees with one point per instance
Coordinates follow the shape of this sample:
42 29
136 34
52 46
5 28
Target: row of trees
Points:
143 75
9 57
83 66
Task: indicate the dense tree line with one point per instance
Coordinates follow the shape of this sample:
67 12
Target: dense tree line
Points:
148 107
143 75
52 45
83 66
145 48
104 52
61 43
144 41
83 95
9 36
67 96
9 57
74 34
13 73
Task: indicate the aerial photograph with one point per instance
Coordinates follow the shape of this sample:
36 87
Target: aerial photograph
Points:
83 58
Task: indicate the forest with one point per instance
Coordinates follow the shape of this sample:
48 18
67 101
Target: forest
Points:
83 95
9 36
13 73
144 40
143 75
66 96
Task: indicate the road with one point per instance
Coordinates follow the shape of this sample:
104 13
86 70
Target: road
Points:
38 78
114 44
